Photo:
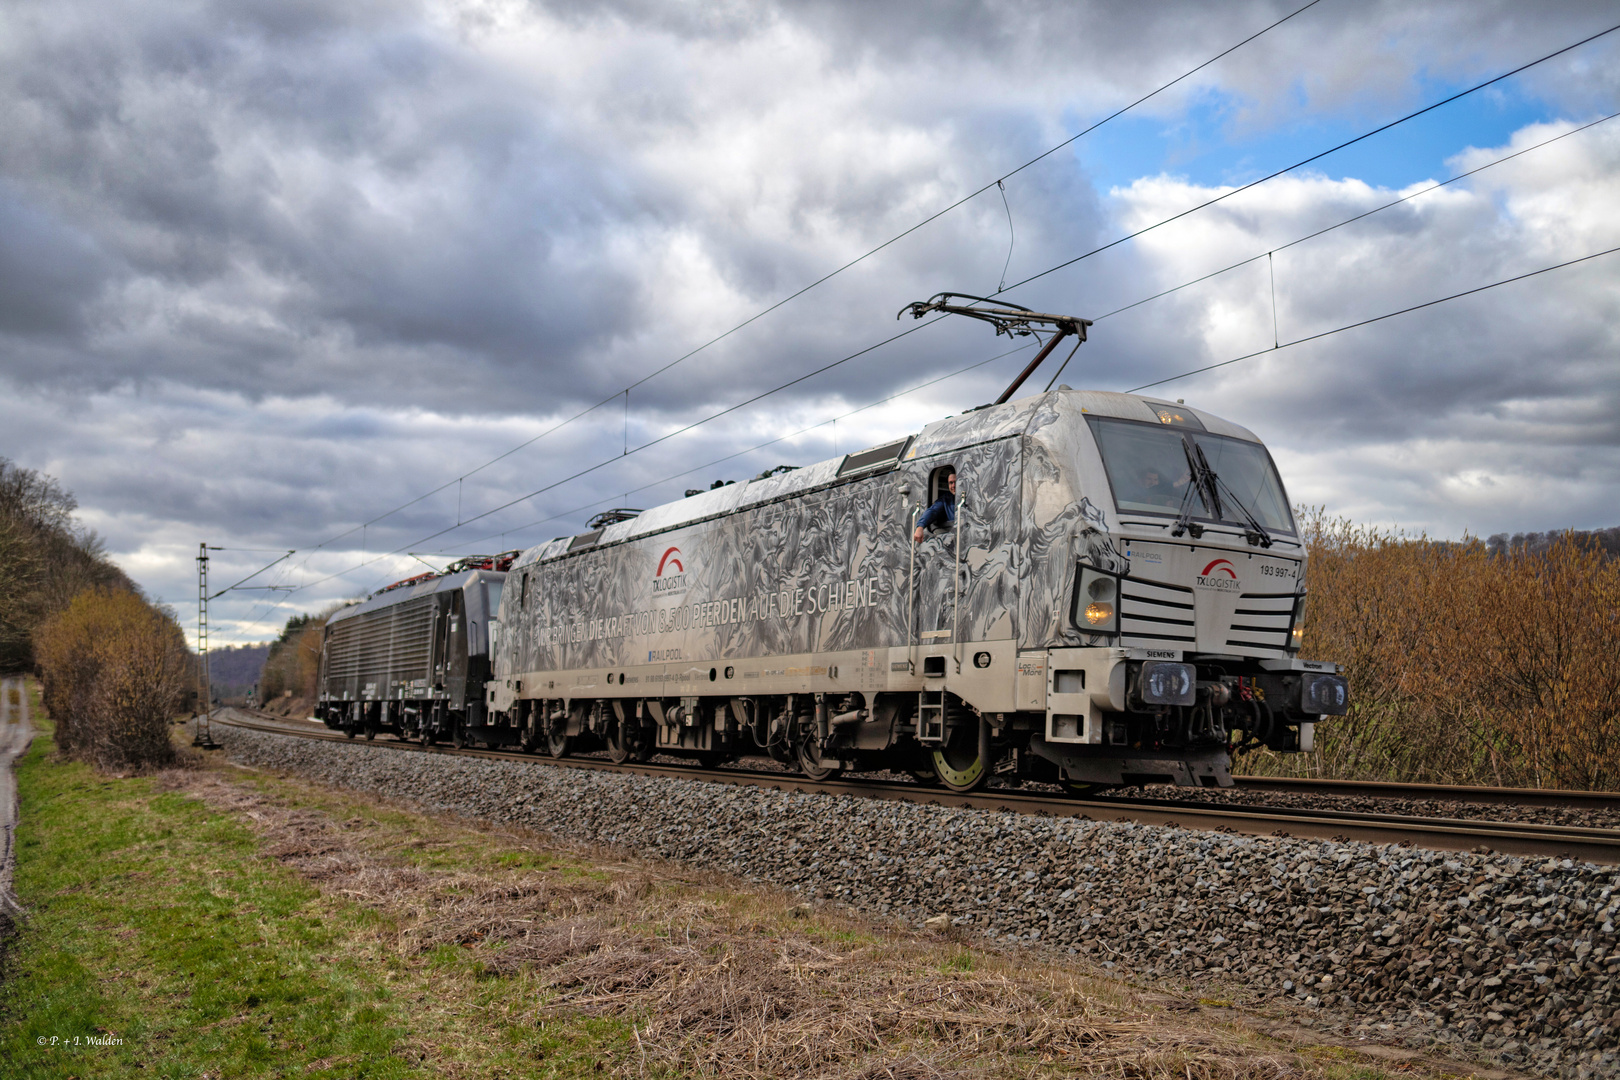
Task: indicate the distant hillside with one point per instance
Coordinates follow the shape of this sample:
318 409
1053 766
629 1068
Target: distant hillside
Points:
233 669
1607 540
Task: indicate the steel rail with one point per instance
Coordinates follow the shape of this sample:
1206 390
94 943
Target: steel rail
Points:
1379 789
1600 846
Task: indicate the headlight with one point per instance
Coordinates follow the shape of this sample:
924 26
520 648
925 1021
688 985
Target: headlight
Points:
1324 694
1164 683
1096 602
1296 636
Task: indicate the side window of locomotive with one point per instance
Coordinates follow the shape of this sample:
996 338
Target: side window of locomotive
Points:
935 517
523 593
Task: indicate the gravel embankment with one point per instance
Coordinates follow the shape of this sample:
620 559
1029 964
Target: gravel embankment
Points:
1515 957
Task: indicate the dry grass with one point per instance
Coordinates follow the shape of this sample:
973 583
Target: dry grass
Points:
723 981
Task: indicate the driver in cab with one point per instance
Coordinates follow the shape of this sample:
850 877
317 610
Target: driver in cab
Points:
941 515
1154 489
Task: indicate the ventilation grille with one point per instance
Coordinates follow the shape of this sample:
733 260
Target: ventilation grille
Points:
1156 616
1262 621
384 647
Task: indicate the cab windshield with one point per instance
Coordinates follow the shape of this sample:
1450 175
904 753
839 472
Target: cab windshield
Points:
1150 473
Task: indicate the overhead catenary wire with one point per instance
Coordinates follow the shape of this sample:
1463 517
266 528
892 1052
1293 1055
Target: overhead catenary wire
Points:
735 454
1352 220
757 446
965 199
1376 318
289 554
637 449
1313 158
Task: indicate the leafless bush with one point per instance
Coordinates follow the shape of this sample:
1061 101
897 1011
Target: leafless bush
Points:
1466 664
114 670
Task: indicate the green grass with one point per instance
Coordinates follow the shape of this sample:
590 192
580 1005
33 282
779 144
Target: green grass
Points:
158 926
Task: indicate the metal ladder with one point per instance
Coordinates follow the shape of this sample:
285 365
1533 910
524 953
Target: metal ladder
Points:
931 716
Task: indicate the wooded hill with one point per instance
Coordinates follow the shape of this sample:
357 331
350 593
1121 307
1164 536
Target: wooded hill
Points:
46 559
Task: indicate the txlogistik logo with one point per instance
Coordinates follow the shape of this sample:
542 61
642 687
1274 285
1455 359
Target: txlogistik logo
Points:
670 579
1220 575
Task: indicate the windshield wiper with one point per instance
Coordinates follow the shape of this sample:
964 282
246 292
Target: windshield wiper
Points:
1256 532
1207 480
1184 522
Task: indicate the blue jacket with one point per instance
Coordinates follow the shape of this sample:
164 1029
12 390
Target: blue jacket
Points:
942 515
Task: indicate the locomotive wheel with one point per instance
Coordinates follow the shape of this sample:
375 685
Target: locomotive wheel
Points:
558 744
618 744
371 733
957 764
351 733
458 736
921 768
810 759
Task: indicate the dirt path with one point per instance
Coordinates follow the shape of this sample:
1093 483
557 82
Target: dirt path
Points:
15 734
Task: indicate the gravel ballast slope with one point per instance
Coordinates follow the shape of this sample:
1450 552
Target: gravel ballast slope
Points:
1515 956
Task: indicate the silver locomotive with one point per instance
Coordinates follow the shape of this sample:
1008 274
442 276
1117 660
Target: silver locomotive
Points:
1118 601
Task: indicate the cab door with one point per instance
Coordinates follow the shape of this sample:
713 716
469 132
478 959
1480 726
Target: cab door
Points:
441 638
934 580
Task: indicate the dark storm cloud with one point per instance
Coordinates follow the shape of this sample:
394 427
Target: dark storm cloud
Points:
49 273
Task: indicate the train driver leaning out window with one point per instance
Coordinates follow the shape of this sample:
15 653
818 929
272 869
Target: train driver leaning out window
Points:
942 514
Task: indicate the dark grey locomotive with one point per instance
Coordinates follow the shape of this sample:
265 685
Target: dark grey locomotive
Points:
1119 601
413 659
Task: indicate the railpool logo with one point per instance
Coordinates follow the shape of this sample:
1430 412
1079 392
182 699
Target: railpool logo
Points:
670 580
1220 575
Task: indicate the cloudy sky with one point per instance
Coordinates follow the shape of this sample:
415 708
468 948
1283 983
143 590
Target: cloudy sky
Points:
271 270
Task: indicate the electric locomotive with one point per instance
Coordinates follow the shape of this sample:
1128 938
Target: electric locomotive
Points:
412 659
1118 601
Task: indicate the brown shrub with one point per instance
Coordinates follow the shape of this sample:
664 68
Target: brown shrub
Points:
1466 665
113 671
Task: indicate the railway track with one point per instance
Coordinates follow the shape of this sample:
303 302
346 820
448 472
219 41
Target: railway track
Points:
1513 838
1578 800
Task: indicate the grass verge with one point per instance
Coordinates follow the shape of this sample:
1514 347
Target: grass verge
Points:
211 922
